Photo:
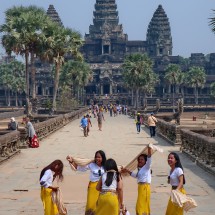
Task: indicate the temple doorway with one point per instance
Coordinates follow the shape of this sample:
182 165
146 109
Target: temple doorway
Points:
106 89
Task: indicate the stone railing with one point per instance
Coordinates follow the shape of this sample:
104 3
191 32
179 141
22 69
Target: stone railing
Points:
10 114
9 144
200 148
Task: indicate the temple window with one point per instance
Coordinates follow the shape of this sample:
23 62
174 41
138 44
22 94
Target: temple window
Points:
106 49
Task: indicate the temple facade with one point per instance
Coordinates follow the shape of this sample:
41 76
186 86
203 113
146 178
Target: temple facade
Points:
105 48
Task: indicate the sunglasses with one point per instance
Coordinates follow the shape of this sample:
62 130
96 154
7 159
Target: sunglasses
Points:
99 171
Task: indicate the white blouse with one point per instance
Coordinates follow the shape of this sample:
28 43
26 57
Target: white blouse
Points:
144 173
113 186
174 176
95 171
47 179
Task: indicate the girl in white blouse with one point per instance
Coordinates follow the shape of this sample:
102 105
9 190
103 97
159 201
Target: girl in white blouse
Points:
177 180
111 193
144 180
47 176
96 170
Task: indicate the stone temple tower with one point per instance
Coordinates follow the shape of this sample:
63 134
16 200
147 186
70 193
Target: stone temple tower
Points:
159 39
52 13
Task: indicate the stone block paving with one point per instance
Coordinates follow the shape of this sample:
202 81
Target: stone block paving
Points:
19 176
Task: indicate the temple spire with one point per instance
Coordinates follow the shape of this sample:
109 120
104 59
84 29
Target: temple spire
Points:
52 13
159 37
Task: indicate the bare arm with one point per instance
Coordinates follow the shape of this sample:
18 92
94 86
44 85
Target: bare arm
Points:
69 158
149 151
99 185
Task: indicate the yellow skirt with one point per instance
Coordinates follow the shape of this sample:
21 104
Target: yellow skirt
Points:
143 199
48 206
107 204
92 197
173 209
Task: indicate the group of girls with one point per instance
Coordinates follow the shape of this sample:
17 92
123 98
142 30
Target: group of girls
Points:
105 189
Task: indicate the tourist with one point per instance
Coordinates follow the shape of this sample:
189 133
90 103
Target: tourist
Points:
96 170
138 124
111 190
32 137
88 124
144 180
47 176
84 123
13 125
176 179
152 124
100 117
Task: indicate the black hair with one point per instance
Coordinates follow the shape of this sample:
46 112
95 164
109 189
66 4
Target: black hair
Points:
102 155
58 172
178 163
111 165
142 155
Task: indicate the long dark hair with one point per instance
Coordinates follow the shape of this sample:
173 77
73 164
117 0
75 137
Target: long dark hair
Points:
111 165
102 155
142 155
178 163
58 171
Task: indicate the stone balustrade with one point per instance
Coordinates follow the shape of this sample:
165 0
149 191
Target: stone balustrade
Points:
201 148
11 142
10 114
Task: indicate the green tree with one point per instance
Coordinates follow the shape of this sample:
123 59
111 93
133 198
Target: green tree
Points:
173 76
136 71
76 75
59 43
22 33
196 78
212 87
212 23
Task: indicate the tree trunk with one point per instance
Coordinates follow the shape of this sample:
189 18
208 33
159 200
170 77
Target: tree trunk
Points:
132 97
137 100
145 101
33 81
16 99
56 82
27 83
173 98
8 93
196 95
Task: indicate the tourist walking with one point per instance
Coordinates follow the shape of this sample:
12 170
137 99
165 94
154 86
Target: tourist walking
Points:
111 190
176 179
89 124
100 118
84 123
152 124
144 180
32 137
96 168
13 124
47 176
138 124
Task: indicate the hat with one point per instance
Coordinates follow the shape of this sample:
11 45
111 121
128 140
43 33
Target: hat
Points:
152 113
12 119
138 113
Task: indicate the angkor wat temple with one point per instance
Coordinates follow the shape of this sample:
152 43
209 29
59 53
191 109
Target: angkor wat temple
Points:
105 49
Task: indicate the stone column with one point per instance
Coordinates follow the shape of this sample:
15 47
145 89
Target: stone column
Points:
101 89
111 89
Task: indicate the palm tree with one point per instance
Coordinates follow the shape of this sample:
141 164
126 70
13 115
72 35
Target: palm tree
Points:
212 23
196 78
22 30
137 69
75 74
60 42
172 77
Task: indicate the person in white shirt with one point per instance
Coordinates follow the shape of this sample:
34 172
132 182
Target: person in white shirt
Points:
143 177
96 170
177 180
111 190
47 176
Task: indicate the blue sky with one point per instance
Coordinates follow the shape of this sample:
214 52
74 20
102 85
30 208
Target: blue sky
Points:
188 19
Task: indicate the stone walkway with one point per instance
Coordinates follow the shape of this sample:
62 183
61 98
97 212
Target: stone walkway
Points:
20 190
